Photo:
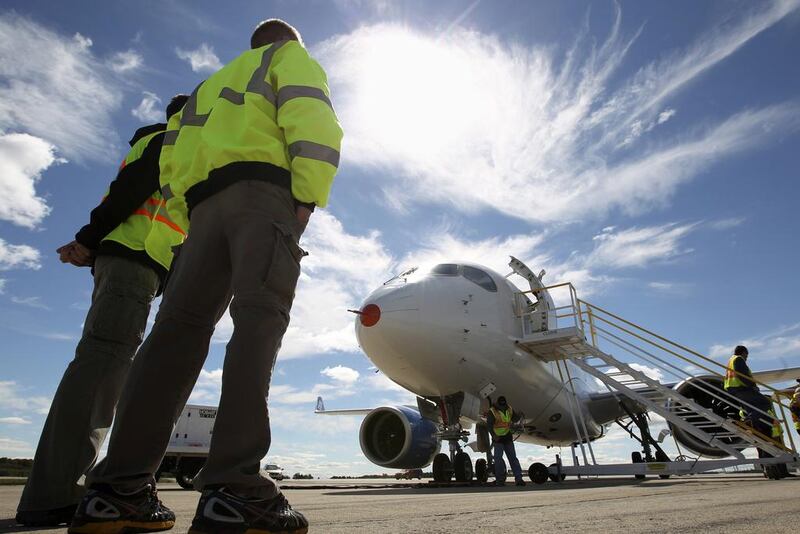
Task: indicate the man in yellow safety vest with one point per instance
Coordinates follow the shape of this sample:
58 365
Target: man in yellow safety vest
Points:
794 407
254 150
739 384
500 418
128 245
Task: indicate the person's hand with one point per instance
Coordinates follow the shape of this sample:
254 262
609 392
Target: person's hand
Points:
76 254
303 215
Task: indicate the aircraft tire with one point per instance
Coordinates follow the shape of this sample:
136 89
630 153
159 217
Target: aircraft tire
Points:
481 470
442 468
636 457
463 467
538 473
554 477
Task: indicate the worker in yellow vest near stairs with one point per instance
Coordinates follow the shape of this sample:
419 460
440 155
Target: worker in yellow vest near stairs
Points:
500 419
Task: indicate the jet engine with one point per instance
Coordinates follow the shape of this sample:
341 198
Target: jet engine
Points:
398 437
699 389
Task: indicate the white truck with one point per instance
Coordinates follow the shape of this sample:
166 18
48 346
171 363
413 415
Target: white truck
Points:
188 447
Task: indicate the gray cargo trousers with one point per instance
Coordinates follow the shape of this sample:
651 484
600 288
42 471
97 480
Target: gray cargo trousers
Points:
242 245
83 406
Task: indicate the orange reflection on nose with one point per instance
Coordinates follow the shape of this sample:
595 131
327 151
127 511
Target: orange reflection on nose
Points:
370 315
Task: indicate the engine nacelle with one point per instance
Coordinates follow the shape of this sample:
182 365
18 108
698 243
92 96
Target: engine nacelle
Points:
398 437
699 390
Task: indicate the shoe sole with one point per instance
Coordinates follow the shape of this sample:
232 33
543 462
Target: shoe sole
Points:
120 527
250 531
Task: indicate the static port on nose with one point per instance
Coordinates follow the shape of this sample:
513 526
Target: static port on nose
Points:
370 315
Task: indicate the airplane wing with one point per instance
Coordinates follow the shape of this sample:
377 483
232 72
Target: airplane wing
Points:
355 411
777 375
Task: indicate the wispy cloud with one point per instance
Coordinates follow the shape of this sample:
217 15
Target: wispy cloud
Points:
14 421
56 89
780 344
201 59
31 302
18 257
638 247
126 61
341 374
510 128
13 397
149 109
727 224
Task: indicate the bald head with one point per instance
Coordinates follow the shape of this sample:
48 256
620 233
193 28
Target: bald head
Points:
273 30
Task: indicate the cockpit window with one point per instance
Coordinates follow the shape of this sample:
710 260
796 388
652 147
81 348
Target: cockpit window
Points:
479 277
446 269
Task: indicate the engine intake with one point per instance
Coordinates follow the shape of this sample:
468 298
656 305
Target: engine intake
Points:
398 437
699 390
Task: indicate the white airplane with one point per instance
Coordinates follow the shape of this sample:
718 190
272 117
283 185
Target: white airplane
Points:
450 335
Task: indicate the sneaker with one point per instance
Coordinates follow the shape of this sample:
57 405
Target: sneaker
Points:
46 518
520 483
220 512
105 511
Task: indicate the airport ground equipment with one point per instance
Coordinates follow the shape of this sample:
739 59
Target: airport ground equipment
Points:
696 407
189 444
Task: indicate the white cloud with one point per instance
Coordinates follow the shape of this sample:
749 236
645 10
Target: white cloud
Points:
342 374
3 283
727 224
14 421
149 109
128 60
508 128
18 257
12 447
638 247
23 158
201 59
32 302
780 344
55 89
12 398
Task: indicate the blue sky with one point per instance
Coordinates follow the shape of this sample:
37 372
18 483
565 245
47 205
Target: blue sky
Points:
645 151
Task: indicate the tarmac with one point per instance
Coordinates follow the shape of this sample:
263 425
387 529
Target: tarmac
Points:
707 503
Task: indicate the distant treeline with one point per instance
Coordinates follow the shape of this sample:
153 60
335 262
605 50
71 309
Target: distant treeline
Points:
15 467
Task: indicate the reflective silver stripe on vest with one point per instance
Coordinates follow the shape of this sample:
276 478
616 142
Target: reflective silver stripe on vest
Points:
232 96
301 91
257 84
258 81
189 117
311 150
166 192
170 137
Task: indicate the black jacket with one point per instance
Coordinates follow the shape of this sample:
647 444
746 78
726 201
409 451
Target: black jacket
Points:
134 184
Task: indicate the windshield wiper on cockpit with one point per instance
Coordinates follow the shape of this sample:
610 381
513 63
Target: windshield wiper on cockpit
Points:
402 275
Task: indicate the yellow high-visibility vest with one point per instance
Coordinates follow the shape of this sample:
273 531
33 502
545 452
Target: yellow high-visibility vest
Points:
266 115
732 380
502 421
149 228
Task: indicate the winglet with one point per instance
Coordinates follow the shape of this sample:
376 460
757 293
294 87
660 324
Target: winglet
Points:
320 406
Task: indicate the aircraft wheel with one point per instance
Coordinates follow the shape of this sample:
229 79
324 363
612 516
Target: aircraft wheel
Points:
662 457
538 473
463 467
636 457
554 477
184 480
481 470
442 468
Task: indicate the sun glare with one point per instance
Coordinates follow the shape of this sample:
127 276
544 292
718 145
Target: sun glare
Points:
415 93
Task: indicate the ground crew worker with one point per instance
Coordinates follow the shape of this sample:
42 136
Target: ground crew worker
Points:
739 383
128 270
499 419
794 407
254 150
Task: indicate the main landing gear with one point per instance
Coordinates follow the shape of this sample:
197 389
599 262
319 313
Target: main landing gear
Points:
457 463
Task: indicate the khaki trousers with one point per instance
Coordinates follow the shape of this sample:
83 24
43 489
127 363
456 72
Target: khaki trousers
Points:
242 245
83 406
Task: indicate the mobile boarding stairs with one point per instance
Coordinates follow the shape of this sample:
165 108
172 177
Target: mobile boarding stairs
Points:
582 333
